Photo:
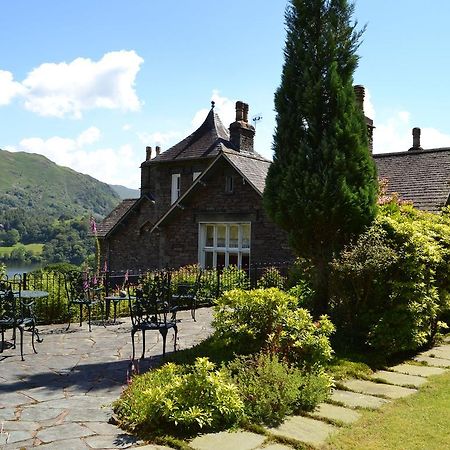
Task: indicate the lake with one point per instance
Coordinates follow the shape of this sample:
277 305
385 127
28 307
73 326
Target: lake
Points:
12 269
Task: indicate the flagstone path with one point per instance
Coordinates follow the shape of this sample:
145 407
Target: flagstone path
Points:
61 397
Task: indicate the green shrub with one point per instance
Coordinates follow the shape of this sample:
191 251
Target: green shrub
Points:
271 277
304 294
271 389
392 285
233 278
184 399
270 319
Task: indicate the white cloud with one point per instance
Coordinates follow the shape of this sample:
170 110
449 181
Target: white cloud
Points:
159 138
127 127
110 165
369 109
224 107
8 87
68 89
89 136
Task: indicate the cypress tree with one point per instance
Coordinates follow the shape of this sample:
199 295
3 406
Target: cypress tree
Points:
322 185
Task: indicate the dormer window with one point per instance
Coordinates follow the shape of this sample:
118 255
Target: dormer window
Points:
175 187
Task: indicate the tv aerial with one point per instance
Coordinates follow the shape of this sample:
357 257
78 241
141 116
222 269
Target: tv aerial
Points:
256 118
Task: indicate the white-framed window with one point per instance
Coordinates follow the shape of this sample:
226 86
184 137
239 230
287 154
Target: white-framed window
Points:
175 193
195 175
224 244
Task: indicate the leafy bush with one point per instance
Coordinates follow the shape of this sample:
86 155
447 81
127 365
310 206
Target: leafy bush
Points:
271 389
392 285
186 399
272 277
233 278
270 319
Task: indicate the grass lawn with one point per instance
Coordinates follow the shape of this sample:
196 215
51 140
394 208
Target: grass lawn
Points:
421 421
36 249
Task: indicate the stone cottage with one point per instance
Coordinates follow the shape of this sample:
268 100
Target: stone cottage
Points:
200 203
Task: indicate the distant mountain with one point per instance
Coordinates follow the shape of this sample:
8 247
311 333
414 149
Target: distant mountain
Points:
32 183
124 192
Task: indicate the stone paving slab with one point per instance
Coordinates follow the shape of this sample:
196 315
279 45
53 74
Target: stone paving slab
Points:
242 440
11 437
336 413
441 351
65 444
357 400
399 379
68 430
274 447
422 371
371 388
435 362
119 440
304 429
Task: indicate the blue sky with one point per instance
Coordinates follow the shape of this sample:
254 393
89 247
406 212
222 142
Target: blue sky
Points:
90 83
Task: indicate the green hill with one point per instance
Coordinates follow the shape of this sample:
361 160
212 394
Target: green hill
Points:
125 192
35 185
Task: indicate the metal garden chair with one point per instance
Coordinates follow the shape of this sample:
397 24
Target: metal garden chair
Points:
81 292
151 310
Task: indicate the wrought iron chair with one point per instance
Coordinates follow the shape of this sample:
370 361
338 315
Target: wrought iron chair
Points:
16 314
82 292
187 293
151 310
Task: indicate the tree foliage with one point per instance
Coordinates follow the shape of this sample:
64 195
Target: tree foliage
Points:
321 187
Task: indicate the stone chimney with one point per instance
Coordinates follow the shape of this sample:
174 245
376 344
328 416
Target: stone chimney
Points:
158 150
416 139
360 93
241 132
148 153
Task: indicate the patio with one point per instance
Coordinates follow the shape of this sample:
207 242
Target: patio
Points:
61 397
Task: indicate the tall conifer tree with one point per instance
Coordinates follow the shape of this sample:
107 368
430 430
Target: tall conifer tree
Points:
322 185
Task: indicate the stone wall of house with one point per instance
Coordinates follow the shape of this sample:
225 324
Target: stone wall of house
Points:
180 236
129 248
157 179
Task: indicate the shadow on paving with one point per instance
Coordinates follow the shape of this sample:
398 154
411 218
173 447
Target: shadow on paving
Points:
84 377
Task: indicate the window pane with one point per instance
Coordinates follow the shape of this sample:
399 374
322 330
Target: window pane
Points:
209 260
233 259
209 236
221 234
234 236
220 260
246 236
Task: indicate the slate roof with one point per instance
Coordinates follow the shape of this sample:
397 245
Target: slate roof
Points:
421 176
115 216
208 140
252 166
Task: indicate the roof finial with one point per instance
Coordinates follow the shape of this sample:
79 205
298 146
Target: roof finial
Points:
213 103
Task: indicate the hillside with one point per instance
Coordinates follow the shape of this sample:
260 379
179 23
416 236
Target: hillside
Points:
124 192
36 185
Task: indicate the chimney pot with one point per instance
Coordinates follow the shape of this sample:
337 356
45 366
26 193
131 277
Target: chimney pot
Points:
239 111
158 150
148 153
416 139
245 112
